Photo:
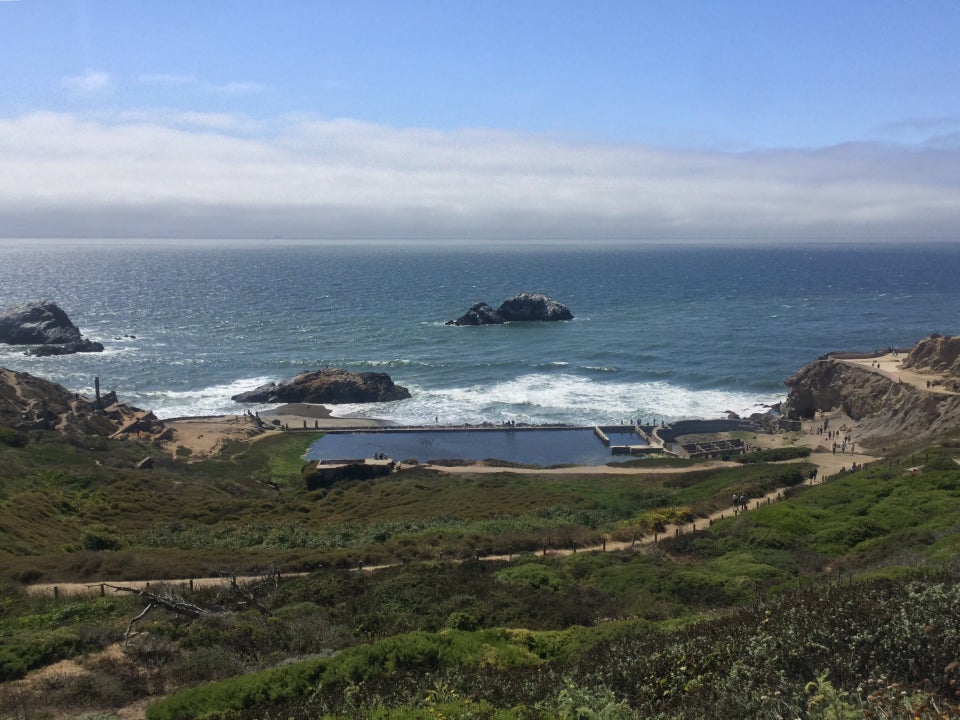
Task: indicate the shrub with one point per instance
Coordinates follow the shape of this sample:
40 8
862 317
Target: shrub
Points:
773 455
100 537
13 438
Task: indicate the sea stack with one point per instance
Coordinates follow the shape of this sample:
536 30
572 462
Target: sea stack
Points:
45 325
522 307
333 385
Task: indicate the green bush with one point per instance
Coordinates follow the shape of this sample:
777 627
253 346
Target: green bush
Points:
773 455
12 437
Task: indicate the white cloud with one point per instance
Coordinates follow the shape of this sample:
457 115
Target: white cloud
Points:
90 84
167 79
229 88
239 88
195 174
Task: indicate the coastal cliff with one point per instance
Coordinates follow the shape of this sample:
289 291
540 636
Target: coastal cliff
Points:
889 408
937 353
28 402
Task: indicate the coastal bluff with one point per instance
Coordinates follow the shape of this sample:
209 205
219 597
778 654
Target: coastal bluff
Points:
333 385
522 307
28 402
45 325
895 397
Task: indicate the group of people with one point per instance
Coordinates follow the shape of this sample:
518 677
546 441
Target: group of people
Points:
841 443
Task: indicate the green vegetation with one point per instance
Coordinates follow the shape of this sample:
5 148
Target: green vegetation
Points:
773 455
835 600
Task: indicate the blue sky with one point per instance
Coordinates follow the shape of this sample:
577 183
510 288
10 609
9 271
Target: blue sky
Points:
579 121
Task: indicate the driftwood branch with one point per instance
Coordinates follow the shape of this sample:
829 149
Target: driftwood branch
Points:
141 616
248 597
169 601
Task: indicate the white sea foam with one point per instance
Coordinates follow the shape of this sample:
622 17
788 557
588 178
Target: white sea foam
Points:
213 400
571 399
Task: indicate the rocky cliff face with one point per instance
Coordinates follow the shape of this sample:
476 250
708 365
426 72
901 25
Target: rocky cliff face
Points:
888 412
937 353
46 325
28 402
334 386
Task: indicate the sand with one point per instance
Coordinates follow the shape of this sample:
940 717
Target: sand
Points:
202 437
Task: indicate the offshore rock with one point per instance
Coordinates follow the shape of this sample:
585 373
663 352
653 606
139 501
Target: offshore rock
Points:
533 306
478 314
523 307
44 324
335 386
66 348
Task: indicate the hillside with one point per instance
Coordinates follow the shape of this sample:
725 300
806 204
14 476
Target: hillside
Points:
794 606
28 403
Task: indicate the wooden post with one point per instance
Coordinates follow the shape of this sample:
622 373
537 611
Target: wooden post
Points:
191 584
102 590
56 593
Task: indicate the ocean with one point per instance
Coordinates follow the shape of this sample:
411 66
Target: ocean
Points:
660 332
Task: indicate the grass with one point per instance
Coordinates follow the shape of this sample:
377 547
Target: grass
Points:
782 657
678 630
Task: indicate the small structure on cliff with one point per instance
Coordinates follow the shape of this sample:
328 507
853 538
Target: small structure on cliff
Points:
31 403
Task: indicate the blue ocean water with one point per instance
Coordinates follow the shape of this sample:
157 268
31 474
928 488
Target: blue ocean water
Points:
665 332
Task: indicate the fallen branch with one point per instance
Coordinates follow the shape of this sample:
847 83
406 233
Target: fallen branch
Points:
171 602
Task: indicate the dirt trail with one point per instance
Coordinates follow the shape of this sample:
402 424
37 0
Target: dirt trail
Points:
891 367
101 586
827 463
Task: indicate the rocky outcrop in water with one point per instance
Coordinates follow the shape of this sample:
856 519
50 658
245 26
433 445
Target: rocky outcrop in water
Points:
523 307
45 325
478 314
334 386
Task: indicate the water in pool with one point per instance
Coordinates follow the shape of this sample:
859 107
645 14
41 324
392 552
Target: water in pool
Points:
534 447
